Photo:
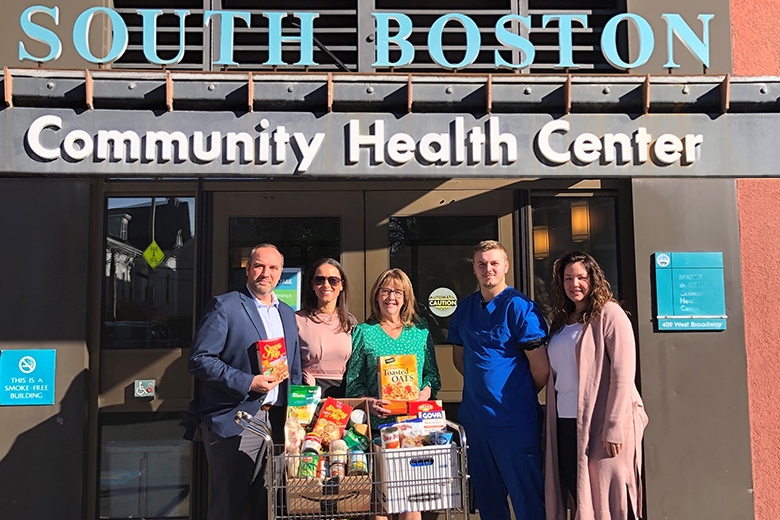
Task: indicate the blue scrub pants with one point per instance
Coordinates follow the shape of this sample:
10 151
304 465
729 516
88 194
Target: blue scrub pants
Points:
507 461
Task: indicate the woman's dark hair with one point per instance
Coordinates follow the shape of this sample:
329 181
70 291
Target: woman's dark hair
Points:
310 299
599 293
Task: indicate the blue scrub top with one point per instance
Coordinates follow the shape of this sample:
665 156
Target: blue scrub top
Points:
497 386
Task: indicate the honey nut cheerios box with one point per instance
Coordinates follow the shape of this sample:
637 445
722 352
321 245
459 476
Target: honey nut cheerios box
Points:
398 381
272 357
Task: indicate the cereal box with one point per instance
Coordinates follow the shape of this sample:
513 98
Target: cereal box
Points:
272 356
331 421
398 381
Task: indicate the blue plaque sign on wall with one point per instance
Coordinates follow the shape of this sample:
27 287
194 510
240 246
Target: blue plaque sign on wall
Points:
27 377
690 291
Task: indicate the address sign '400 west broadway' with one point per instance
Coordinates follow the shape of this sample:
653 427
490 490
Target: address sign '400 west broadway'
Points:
676 27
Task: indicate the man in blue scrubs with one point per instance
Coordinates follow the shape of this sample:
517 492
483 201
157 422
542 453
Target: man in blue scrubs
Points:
498 336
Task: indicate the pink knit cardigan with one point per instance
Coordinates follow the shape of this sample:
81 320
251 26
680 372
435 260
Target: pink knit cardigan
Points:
608 409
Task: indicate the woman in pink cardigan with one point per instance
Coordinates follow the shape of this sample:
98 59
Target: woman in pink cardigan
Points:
595 417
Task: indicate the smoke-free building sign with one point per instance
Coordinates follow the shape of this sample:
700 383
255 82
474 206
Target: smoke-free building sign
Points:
27 377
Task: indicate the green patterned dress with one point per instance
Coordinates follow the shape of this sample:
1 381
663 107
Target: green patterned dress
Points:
369 341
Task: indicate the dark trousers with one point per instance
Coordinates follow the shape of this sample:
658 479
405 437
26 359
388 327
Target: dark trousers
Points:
567 456
238 469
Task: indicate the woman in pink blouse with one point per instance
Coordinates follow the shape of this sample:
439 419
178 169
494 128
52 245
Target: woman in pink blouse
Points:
325 328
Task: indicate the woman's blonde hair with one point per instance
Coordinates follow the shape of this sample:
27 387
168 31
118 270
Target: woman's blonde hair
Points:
599 294
409 308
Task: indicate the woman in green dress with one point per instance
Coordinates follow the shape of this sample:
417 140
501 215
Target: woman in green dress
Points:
393 328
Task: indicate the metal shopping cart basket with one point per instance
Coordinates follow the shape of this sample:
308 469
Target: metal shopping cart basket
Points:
428 478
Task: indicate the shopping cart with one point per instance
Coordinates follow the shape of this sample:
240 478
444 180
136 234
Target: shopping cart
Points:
428 478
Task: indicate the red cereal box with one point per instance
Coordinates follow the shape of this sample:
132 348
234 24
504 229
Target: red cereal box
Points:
333 418
272 356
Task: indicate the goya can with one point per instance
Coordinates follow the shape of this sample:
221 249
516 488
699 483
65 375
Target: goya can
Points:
358 463
308 466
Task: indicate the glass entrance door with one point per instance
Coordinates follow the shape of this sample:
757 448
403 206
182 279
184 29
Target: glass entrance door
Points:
430 235
305 226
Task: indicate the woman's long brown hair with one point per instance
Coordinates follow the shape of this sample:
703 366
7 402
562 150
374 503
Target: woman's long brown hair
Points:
598 295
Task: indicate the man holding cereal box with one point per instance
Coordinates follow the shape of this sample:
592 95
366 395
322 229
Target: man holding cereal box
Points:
239 354
498 336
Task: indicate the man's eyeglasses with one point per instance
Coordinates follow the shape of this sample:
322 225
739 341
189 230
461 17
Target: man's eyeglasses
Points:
398 293
332 280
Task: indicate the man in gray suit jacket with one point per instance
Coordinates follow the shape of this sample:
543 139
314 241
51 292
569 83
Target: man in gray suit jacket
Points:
224 357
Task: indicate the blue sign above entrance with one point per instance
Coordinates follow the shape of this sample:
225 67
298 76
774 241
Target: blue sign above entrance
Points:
27 377
690 291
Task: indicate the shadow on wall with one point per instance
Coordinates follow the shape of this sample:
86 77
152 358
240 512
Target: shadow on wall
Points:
41 475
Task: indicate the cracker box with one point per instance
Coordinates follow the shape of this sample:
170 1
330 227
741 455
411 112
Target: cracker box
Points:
272 357
398 381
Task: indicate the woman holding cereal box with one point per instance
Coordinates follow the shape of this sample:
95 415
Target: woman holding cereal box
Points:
392 330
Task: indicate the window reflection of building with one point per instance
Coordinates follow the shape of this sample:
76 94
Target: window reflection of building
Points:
148 307
573 223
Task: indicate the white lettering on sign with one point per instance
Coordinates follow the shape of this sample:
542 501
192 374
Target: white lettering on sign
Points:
162 146
587 148
482 144
452 147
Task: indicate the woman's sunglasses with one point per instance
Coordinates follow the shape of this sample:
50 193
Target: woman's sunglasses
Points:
332 280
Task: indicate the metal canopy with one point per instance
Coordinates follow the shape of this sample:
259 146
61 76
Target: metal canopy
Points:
406 93
263 125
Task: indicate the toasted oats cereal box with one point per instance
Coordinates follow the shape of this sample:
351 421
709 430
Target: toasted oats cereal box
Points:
398 381
272 356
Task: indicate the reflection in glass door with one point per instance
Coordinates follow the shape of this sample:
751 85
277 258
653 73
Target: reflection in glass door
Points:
305 226
430 235
570 223
436 253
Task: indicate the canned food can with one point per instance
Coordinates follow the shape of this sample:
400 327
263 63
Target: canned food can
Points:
311 444
308 466
358 463
322 468
390 438
337 451
357 416
337 469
